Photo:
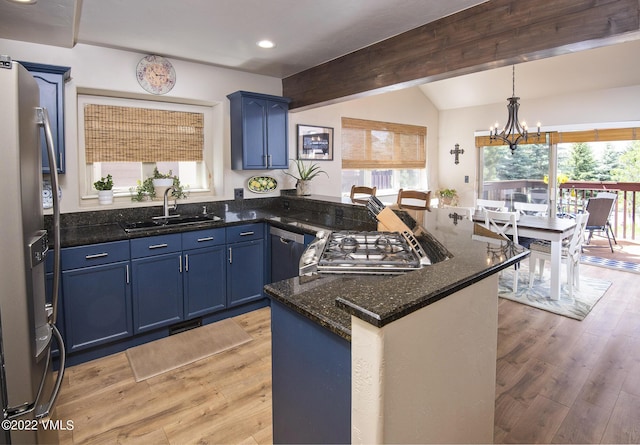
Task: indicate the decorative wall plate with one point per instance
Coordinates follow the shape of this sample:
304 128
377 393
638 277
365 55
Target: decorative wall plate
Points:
262 184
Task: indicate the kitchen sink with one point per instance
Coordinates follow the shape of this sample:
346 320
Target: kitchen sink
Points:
167 222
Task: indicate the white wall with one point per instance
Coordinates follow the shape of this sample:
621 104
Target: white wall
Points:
113 71
409 106
458 126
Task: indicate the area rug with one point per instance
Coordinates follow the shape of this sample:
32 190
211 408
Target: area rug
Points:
625 255
626 266
172 352
591 291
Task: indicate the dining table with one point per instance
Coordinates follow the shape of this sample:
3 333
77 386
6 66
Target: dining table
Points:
552 229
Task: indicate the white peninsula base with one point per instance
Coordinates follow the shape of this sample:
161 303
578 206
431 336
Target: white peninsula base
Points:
430 376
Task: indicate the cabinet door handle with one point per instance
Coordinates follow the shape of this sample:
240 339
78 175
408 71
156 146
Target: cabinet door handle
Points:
230 256
208 238
246 233
186 262
127 273
158 246
266 164
269 161
180 263
96 255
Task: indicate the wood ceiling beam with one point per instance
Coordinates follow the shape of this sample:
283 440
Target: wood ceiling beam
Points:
490 35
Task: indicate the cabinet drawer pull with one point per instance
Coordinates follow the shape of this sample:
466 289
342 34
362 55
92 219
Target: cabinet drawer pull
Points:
246 233
158 246
208 238
96 255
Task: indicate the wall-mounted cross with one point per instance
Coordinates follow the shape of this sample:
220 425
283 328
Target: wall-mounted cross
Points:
456 217
457 152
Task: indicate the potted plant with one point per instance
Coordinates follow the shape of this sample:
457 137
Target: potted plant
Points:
447 197
155 186
104 186
161 181
305 175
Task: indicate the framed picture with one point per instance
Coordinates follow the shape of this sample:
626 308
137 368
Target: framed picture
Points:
315 142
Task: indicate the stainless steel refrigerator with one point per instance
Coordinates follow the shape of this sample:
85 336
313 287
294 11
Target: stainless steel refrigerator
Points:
28 383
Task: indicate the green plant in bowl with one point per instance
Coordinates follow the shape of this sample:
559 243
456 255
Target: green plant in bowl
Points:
306 172
104 183
145 190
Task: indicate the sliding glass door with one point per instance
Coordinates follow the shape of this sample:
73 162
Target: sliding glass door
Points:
519 176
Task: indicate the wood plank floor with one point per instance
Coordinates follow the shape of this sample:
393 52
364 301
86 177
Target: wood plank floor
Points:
558 381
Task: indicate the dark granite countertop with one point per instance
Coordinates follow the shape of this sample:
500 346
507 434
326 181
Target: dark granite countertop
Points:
462 254
330 300
298 214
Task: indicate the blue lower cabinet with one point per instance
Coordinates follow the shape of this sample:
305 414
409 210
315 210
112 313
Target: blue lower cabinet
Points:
97 305
97 294
245 271
311 380
137 288
156 277
177 277
205 284
157 291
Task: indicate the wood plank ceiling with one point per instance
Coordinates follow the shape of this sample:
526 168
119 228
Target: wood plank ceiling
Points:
490 35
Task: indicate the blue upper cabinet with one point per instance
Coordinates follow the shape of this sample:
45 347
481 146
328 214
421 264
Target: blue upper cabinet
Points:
259 126
51 81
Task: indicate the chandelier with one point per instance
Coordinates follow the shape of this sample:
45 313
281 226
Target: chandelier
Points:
514 131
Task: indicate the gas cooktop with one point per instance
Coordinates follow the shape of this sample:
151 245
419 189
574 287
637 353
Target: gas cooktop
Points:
359 252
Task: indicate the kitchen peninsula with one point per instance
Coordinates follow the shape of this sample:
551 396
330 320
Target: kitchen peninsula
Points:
393 358
410 357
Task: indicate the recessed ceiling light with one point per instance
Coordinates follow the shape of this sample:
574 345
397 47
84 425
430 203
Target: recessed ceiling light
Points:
266 44
24 2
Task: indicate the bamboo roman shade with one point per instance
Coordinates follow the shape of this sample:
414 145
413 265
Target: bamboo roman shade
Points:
559 137
130 134
373 144
485 141
609 134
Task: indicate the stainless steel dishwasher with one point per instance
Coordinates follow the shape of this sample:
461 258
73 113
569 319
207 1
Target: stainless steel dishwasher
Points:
286 250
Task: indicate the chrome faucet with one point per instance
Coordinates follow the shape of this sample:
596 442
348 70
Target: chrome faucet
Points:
166 207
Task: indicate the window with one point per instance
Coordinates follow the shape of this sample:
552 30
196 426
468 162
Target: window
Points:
128 138
385 155
520 176
599 155
585 155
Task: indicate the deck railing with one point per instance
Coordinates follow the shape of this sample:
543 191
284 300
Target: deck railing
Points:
573 198
575 194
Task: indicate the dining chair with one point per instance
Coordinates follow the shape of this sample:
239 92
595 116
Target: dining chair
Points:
361 193
530 208
599 210
501 222
571 253
517 197
489 204
539 196
414 199
610 195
